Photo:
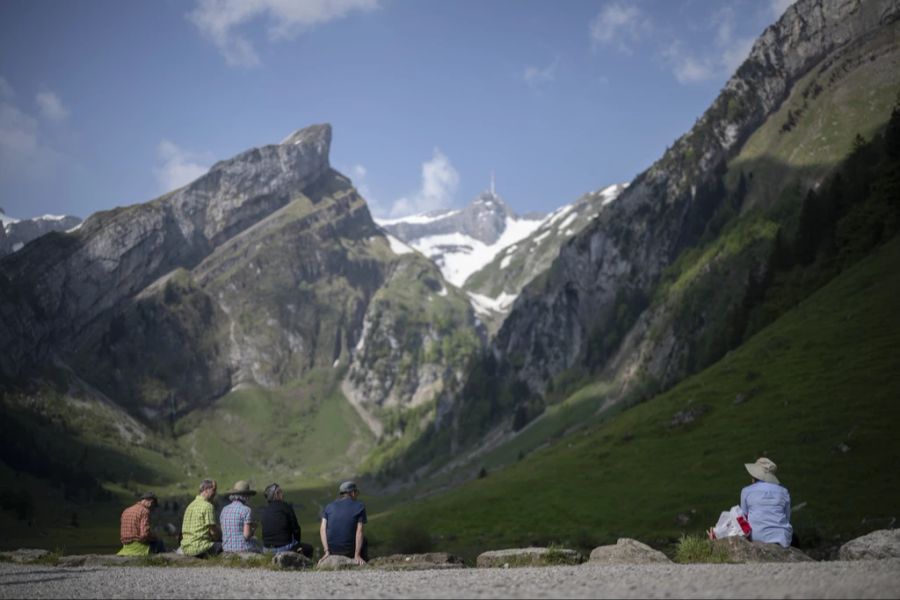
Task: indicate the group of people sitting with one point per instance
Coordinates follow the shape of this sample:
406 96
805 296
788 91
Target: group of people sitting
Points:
202 535
765 503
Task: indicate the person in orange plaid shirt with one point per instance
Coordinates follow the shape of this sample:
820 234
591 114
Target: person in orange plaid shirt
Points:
134 532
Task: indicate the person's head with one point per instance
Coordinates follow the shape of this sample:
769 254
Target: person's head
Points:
208 489
762 470
149 500
348 488
240 492
274 493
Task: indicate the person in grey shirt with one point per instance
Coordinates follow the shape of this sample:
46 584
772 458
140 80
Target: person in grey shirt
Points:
767 505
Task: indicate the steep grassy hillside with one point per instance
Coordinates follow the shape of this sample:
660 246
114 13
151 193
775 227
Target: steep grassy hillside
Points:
816 391
849 94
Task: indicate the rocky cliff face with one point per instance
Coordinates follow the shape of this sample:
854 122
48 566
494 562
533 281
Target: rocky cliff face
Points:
618 259
260 271
71 279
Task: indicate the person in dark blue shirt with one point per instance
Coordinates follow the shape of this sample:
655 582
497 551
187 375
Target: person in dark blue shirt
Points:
342 526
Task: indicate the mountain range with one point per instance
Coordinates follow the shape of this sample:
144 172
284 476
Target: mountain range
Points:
259 320
15 233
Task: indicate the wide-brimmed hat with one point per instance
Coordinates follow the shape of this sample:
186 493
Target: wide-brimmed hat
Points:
241 488
347 487
149 496
763 469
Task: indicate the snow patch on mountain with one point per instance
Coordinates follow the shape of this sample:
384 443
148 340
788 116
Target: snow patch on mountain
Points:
459 255
398 247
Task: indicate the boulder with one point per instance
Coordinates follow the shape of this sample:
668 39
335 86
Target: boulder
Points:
627 552
98 560
24 555
884 543
291 560
242 556
417 562
336 563
741 550
529 557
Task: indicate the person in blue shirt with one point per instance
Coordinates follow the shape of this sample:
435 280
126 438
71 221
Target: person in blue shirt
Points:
767 505
342 526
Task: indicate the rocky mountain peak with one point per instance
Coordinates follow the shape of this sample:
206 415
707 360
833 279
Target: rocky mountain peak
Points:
318 136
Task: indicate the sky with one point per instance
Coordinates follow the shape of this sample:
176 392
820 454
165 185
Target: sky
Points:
111 103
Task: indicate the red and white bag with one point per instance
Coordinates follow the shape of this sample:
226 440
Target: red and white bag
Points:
732 523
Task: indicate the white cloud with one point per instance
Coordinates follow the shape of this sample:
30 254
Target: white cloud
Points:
779 6
687 68
358 171
51 106
179 167
538 76
439 182
218 21
24 155
620 24
730 52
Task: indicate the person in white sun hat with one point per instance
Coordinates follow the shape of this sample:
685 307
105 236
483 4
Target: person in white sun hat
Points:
767 504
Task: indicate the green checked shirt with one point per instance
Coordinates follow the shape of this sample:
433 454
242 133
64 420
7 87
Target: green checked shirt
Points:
198 516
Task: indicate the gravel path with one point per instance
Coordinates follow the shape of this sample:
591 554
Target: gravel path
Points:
860 579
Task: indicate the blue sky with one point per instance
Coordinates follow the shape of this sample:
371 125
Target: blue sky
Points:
108 103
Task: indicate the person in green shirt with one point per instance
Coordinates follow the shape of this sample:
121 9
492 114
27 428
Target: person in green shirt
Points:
200 534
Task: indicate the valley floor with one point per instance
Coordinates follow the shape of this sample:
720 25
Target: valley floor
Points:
859 579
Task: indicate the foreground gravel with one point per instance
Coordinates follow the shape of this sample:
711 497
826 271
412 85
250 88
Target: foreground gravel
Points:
858 579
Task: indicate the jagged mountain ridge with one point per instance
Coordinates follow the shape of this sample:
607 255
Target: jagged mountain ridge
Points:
461 242
658 285
495 287
15 233
264 269
663 208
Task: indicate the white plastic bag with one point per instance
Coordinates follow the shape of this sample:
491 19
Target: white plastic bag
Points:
732 523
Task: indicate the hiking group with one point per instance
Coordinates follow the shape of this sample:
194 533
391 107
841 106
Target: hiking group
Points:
764 515
202 535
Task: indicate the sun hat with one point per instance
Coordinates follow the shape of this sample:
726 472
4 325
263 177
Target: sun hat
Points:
763 469
347 487
241 488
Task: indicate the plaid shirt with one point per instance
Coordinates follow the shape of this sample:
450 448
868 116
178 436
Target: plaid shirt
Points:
198 516
233 518
135 524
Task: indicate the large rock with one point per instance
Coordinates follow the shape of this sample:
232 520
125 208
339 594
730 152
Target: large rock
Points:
884 543
740 550
336 563
25 555
291 560
627 552
98 560
416 562
529 557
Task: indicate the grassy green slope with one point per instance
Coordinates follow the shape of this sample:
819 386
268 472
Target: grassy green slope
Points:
850 93
305 433
816 391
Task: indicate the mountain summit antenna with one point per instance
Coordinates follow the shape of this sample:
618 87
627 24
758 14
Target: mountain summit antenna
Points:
493 192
